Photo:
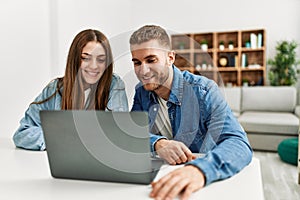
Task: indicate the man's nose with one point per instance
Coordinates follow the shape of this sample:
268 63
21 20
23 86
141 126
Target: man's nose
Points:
144 69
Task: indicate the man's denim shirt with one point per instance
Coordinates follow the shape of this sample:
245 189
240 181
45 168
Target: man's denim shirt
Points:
30 135
203 121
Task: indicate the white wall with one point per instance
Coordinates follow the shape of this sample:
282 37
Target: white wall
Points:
280 18
36 35
25 58
111 17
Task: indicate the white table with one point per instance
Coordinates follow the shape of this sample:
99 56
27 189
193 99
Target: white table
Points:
26 175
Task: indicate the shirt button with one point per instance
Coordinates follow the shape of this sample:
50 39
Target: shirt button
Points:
155 109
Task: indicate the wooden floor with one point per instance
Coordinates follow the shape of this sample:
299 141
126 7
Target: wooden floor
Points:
280 179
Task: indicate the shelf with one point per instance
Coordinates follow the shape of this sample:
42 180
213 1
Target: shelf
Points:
227 37
201 51
228 65
258 39
252 69
199 38
180 51
244 49
181 41
206 70
228 50
227 68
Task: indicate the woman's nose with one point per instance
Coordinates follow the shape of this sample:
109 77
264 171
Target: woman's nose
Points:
93 64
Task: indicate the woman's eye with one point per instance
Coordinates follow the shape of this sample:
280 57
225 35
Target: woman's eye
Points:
85 58
101 60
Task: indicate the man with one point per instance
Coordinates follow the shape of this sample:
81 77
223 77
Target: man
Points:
187 114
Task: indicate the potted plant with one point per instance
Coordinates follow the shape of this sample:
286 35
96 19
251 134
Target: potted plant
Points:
204 45
221 45
204 66
198 67
230 45
181 45
283 70
245 82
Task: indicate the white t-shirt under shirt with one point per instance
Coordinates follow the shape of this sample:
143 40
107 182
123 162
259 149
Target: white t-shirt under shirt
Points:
162 121
86 98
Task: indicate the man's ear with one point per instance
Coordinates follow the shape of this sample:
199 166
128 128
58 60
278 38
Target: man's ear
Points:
171 57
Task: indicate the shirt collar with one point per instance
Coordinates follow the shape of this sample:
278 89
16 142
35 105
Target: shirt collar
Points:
177 87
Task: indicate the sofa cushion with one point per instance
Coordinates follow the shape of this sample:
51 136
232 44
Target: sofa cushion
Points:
233 97
297 111
269 122
268 98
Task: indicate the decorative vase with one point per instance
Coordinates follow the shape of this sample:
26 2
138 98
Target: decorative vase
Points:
247 45
198 67
204 47
221 47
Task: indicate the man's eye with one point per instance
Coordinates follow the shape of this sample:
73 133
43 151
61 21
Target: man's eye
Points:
136 63
151 60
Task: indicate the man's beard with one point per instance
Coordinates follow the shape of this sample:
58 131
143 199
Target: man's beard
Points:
151 86
161 81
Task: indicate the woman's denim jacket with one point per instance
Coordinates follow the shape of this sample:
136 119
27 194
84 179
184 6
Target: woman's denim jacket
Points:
30 135
203 121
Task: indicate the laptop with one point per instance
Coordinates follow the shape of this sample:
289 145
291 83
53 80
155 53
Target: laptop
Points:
99 145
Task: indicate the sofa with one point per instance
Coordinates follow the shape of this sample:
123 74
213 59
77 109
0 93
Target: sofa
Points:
268 114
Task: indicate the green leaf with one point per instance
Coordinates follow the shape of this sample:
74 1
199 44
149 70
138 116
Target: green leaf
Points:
283 70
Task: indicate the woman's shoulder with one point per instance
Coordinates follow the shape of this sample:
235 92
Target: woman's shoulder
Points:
117 82
52 85
53 82
48 91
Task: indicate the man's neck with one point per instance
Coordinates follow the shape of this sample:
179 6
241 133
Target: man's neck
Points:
164 90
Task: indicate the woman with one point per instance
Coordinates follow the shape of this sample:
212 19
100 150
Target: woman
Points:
89 83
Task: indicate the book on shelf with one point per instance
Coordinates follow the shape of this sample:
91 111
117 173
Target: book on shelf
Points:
259 40
244 60
253 40
236 60
231 62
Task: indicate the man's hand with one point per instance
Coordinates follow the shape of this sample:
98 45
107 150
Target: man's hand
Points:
186 180
173 152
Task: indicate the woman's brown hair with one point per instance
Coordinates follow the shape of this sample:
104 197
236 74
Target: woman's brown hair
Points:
72 82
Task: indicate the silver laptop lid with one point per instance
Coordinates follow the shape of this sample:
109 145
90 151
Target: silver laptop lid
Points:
98 145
